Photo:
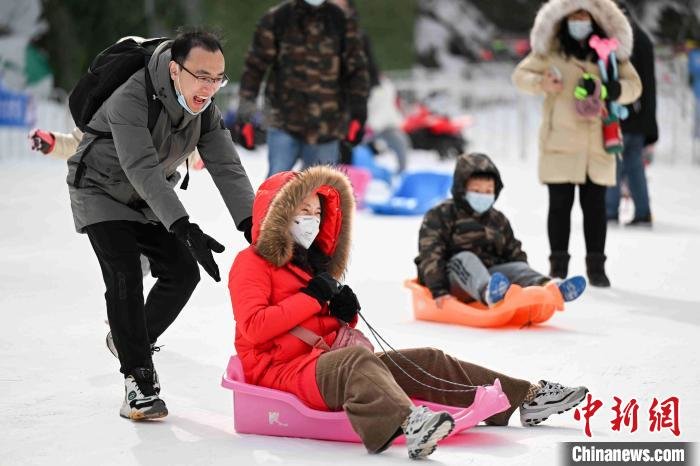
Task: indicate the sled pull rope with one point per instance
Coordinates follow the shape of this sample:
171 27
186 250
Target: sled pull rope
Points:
379 339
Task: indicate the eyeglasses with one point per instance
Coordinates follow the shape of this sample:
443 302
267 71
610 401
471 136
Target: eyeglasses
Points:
206 80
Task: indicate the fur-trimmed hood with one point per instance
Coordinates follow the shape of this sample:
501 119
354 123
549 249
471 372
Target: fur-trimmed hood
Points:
279 197
605 12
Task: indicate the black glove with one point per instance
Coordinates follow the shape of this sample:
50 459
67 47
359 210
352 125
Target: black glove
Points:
612 86
200 245
344 305
246 226
614 89
322 287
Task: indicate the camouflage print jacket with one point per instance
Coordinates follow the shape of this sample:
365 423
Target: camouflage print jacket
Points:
452 227
317 78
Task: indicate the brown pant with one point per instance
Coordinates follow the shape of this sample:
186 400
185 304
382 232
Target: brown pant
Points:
375 393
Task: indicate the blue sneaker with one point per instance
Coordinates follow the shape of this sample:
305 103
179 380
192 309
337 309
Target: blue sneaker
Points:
571 288
496 289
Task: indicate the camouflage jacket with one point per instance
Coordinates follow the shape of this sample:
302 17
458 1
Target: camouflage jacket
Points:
317 77
453 226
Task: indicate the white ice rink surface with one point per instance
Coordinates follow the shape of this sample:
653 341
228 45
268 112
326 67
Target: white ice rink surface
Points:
61 389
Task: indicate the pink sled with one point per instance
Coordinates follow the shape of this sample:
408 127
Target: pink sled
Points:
266 411
359 179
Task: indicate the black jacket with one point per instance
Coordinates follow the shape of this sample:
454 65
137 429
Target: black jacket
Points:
642 113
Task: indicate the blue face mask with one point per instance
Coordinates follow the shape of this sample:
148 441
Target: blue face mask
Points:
315 2
183 102
479 202
579 29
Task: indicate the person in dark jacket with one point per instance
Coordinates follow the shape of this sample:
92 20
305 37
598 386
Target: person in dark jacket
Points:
639 130
467 249
317 82
122 195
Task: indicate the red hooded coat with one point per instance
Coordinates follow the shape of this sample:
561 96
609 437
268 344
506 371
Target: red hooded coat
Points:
265 286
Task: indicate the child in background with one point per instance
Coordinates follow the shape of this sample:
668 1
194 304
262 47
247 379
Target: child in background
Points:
467 249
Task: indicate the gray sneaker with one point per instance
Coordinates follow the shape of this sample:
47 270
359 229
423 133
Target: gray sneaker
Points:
424 429
551 398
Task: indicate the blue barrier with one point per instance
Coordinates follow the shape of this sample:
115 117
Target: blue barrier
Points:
15 109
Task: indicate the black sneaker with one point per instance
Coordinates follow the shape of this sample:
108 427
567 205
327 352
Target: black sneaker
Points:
109 341
141 401
640 222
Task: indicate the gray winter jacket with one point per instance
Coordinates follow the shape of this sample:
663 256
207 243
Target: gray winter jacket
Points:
132 176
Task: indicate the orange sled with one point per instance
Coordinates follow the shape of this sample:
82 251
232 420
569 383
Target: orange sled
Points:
521 306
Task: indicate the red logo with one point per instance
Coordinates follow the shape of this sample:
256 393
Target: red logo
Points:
662 415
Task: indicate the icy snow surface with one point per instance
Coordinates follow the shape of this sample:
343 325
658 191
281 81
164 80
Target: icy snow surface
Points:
61 389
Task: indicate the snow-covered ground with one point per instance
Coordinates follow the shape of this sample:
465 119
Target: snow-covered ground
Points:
61 389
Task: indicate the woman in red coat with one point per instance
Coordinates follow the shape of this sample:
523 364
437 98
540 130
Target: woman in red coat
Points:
288 280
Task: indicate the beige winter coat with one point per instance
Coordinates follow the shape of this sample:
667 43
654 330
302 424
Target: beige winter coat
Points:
67 144
571 146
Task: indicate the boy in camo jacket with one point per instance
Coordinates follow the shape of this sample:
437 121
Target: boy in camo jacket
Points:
467 249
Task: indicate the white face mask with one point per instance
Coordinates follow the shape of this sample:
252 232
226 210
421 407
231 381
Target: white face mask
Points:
305 229
315 2
579 29
183 102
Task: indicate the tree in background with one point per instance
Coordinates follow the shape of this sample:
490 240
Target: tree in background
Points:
79 29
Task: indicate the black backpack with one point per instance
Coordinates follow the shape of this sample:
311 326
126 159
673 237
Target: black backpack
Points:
109 70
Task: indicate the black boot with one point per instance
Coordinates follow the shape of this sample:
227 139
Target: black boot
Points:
595 268
559 264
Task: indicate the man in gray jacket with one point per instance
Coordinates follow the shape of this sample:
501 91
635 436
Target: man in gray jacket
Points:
122 195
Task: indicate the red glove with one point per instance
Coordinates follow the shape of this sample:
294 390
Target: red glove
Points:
243 134
248 136
355 133
43 141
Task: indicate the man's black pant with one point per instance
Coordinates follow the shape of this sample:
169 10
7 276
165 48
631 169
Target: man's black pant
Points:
592 200
135 325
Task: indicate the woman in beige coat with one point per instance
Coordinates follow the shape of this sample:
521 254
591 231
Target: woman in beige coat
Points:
571 145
